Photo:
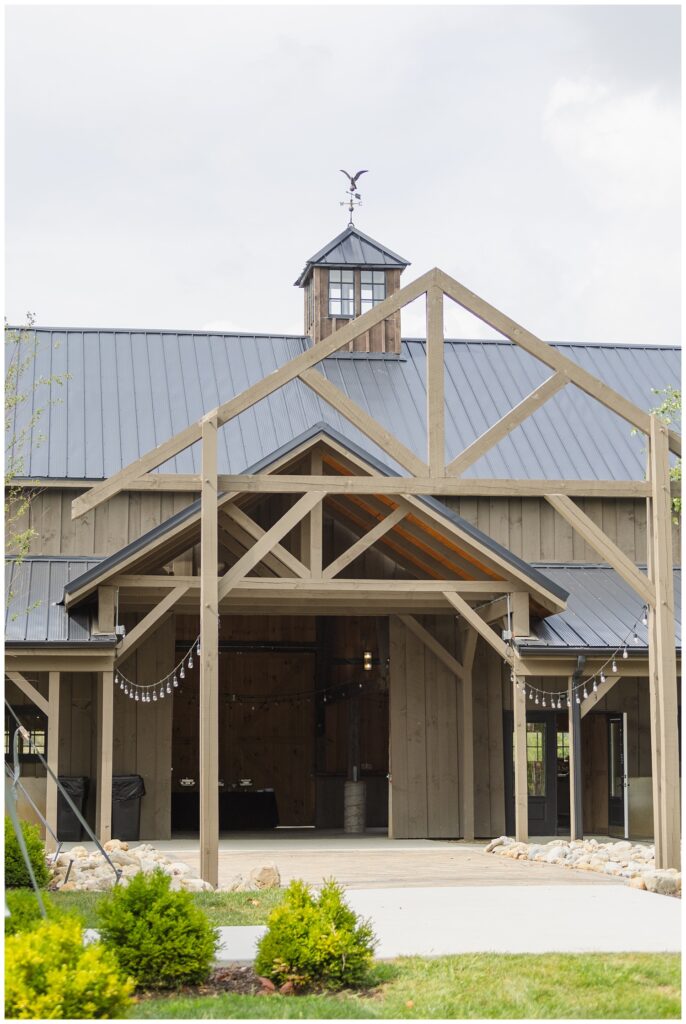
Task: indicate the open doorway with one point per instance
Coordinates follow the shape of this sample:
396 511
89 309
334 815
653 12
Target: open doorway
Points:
303 706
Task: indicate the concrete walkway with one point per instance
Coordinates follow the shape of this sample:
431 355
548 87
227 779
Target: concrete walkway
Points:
503 919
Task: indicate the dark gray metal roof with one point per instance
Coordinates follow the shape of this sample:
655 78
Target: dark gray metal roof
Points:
33 614
131 390
601 611
91 574
352 248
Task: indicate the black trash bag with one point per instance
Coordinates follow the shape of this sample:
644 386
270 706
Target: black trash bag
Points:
127 787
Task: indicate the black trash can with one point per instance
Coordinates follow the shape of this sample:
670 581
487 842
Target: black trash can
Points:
69 828
127 791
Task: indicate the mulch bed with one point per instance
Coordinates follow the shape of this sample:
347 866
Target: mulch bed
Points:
240 979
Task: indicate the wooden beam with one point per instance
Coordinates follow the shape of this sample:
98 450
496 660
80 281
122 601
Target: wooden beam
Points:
434 645
209 659
370 538
519 604
466 612
602 691
470 638
521 784
370 427
494 610
473 452
313 588
575 790
601 543
106 610
152 621
316 521
285 483
261 389
279 552
53 756
30 691
664 655
551 356
435 383
105 731
276 533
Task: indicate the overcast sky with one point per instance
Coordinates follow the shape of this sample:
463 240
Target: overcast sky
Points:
174 167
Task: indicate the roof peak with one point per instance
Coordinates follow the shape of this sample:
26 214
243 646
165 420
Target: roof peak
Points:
352 248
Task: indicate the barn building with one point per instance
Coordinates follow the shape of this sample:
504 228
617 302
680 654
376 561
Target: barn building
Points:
272 574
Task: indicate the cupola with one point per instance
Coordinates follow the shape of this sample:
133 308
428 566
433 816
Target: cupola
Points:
347 277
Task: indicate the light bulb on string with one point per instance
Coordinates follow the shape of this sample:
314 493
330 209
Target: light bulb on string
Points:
595 684
175 681
585 693
197 649
182 673
644 616
578 699
603 677
635 638
614 665
190 660
168 687
154 697
559 703
536 701
543 702
161 693
531 694
625 653
136 697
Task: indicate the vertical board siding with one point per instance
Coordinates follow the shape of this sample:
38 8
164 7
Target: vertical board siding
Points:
424 737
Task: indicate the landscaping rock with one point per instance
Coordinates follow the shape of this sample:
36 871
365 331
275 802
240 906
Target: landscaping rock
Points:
266 877
91 872
634 862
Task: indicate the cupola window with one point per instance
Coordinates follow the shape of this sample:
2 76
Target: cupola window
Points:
373 288
341 293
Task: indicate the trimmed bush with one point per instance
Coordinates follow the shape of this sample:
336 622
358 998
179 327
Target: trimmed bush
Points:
315 941
16 872
50 974
159 937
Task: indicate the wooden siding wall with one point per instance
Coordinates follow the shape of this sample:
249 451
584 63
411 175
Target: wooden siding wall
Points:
489 759
424 736
143 732
529 527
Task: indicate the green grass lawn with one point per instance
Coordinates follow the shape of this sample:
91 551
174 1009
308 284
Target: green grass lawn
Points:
473 986
221 907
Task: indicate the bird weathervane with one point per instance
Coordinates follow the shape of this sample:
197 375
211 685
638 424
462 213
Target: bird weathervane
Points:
354 198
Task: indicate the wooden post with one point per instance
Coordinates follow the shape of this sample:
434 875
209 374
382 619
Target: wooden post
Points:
435 376
576 826
209 659
467 708
521 785
316 518
53 756
653 691
103 802
664 657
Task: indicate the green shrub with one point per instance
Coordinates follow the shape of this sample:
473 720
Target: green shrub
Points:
159 937
50 974
315 941
24 910
16 872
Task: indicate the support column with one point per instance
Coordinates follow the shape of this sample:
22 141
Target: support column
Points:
655 754
469 640
53 756
521 786
209 660
664 655
103 801
576 824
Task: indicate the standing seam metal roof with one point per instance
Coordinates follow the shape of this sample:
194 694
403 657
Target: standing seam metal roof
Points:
130 390
352 248
601 610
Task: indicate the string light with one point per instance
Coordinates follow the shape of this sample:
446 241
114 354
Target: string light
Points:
580 688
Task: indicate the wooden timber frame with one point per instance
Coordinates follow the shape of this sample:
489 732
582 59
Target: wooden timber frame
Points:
433 475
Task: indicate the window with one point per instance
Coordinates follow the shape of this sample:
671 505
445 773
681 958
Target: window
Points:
341 293
37 725
373 285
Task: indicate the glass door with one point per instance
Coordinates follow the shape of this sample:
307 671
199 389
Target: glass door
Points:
617 803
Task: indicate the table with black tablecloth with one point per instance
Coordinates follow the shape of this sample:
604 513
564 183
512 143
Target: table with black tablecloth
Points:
247 810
